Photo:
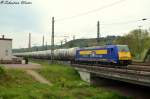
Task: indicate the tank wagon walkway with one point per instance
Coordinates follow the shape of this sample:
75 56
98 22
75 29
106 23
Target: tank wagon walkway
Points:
30 70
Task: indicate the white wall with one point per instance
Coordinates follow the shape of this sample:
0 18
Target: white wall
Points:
5 49
85 76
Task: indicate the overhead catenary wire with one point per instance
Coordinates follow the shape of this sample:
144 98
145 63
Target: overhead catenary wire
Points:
96 10
114 24
91 11
125 22
110 24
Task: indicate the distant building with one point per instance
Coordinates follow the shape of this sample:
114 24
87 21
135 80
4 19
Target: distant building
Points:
5 49
6 56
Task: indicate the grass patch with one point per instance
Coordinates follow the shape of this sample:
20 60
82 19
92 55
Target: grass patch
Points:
16 84
68 85
2 71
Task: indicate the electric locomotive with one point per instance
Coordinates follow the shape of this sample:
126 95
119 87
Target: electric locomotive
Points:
109 54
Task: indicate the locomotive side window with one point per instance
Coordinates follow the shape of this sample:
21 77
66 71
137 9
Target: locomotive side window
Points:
110 50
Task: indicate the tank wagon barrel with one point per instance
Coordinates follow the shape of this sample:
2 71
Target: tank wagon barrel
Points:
59 54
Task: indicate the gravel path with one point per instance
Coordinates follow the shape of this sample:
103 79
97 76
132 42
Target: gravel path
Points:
38 77
23 66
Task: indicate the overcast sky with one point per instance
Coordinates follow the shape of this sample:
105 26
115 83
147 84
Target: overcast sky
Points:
117 17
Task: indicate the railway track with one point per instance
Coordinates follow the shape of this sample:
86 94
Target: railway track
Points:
98 69
129 67
139 67
141 64
130 74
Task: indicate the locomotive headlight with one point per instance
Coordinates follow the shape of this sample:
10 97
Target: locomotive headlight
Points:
124 56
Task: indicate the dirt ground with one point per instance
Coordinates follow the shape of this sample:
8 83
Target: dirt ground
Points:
22 66
38 77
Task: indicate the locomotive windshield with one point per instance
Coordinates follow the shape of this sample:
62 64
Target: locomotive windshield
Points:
123 48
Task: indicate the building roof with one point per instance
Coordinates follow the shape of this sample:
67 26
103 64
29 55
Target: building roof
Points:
6 39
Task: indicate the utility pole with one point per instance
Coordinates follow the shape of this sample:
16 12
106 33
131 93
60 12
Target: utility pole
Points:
140 41
46 46
52 41
61 42
3 36
65 40
29 45
73 37
98 32
43 41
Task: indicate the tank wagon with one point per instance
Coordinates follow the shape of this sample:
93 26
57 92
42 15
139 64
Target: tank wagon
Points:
65 54
109 54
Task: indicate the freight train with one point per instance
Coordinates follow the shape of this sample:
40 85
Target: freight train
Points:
108 54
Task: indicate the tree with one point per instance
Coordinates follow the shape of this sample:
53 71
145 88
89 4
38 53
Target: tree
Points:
138 40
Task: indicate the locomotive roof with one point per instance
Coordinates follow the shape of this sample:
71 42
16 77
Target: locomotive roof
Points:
96 47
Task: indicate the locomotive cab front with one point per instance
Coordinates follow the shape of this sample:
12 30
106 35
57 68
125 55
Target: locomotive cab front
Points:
124 55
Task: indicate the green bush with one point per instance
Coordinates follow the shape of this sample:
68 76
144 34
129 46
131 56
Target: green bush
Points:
1 71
